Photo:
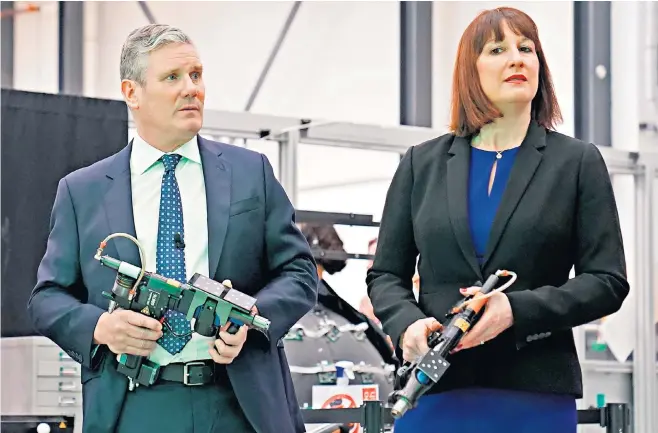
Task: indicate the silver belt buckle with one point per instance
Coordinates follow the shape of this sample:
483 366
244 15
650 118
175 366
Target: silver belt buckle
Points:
186 372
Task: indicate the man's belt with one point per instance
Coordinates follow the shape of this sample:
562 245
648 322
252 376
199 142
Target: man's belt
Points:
194 373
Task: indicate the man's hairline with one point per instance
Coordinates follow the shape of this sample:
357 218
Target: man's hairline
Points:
160 47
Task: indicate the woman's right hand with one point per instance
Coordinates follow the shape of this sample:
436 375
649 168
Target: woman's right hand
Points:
414 339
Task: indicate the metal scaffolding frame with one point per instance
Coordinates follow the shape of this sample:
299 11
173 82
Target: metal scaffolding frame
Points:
416 63
290 132
7 44
592 59
71 42
645 393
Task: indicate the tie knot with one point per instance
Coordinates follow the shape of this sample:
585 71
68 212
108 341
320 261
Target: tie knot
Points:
170 161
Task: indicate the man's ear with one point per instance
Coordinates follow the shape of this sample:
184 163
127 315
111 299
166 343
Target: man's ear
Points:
129 89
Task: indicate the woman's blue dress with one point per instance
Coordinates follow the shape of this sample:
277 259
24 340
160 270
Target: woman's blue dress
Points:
478 410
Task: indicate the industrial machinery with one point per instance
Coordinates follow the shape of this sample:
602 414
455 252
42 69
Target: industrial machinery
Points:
211 304
415 379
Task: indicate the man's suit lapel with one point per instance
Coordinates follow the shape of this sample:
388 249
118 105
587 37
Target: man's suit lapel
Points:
458 169
217 177
119 208
523 170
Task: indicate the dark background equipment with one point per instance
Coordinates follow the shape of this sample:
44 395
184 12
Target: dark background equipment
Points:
335 331
44 137
335 218
339 219
323 337
29 423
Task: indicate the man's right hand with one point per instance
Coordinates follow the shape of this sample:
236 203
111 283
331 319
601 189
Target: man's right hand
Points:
128 332
414 340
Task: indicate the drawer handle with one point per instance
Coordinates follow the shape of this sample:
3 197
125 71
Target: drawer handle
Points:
66 401
68 371
67 386
64 355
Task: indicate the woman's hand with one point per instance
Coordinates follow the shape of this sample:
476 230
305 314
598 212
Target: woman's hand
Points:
414 340
497 317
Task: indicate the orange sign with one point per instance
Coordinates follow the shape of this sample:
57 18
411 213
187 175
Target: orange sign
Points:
344 397
369 394
342 401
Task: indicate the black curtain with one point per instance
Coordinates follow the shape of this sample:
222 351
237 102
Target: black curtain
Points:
44 137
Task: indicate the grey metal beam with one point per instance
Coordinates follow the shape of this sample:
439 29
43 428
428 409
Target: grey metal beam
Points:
592 83
275 51
645 392
395 139
7 45
416 63
288 156
71 34
147 12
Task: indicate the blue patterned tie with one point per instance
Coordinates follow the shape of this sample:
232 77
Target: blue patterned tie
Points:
170 261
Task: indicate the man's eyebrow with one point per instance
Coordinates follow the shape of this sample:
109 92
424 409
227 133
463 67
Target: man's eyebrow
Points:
177 69
170 71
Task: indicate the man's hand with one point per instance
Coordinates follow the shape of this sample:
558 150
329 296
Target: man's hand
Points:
129 332
228 346
414 340
497 317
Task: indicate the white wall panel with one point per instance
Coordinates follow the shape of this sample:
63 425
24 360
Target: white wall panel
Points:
339 61
352 167
36 48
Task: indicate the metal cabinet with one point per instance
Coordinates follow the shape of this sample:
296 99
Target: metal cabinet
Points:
39 378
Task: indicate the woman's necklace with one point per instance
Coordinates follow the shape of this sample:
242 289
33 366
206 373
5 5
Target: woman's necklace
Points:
475 141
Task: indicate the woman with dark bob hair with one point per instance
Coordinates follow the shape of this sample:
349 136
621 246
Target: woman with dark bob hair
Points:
503 190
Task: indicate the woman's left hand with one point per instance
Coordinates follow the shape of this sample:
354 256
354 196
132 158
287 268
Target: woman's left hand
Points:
497 317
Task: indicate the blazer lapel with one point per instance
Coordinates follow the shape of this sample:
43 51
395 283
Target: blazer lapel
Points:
525 166
458 169
119 208
217 177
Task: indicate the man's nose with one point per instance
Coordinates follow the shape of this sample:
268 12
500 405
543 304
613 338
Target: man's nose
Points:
191 88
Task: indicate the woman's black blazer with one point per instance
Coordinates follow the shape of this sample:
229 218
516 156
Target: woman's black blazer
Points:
558 212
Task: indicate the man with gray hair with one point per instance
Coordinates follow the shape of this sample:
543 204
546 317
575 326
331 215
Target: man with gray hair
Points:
195 206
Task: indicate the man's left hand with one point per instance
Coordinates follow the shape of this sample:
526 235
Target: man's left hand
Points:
497 317
228 346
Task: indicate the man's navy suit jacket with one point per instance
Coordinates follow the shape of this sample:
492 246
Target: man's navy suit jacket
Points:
252 241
